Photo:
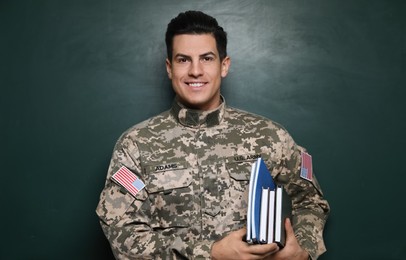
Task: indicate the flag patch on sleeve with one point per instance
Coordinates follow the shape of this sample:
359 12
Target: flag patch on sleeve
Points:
128 180
306 170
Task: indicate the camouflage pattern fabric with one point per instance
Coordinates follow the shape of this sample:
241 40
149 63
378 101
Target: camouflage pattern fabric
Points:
196 167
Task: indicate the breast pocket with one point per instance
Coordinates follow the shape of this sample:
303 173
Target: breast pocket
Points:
171 196
237 193
240 173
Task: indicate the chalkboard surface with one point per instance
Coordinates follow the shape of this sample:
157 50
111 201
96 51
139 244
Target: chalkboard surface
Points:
75 74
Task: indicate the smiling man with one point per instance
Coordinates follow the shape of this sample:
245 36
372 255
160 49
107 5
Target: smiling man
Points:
177 184
196 70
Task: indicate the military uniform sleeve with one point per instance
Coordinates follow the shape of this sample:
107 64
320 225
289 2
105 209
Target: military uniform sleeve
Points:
309 208
126 219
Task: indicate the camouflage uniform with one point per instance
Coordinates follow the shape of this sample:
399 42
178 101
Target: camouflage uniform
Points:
196 167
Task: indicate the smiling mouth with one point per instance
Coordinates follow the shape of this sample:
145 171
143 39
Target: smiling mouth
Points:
195 84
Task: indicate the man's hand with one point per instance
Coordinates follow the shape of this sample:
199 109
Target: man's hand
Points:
292 249
233 247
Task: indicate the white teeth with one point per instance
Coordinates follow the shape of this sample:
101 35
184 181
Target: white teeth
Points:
195 84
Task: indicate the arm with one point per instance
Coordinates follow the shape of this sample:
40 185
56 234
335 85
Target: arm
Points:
126 220
309 209
309 214
131 236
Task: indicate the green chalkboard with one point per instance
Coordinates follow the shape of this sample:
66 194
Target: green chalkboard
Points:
75 74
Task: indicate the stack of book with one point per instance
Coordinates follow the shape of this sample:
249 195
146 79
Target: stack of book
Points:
268 206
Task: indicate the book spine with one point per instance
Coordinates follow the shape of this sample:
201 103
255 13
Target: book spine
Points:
271 217
278 214
263 227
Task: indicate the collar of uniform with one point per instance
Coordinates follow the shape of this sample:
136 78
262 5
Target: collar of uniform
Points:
198 118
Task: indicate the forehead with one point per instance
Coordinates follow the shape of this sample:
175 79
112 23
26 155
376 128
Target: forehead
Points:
194 44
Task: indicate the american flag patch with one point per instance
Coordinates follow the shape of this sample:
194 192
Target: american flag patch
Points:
306 170
128 180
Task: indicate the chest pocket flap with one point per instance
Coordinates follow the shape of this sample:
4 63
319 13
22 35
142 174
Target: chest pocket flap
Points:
167 177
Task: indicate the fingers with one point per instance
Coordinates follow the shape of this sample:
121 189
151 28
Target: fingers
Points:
263 249
290 234
241 232
232 246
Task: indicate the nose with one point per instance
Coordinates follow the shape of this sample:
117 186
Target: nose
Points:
196 69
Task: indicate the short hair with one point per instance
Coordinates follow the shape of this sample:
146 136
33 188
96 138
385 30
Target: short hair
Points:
196 22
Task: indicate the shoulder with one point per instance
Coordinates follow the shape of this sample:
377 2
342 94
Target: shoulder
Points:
251 119
150 126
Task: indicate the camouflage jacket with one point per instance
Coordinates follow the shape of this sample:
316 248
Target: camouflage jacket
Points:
196 167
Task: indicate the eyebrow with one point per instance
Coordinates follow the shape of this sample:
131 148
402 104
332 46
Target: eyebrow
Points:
201 55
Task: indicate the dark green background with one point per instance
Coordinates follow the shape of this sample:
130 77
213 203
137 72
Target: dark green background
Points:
76 74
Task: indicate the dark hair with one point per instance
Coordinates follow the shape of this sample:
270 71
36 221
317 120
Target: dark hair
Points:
196 22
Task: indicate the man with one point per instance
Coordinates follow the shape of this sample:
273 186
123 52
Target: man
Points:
195 161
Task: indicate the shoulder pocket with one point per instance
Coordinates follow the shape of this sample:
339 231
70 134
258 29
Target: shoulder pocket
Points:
113 204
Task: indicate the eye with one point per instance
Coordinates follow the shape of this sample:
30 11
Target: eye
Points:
207 59
181 60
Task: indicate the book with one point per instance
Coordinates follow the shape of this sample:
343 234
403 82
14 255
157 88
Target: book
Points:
260 178
251 187
271 217
283 210
268 206
263 221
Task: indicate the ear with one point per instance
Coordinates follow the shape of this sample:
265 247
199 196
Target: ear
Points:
225 66
169 68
